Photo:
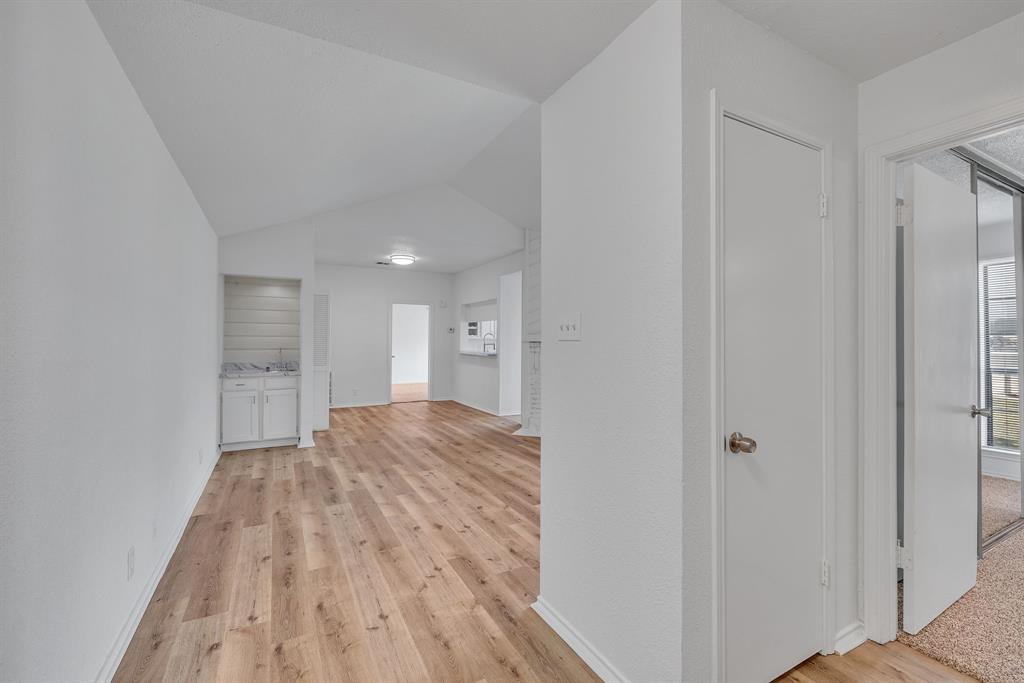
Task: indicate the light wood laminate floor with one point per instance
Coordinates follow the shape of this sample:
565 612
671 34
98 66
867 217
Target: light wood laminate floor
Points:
874 663
403 547
404 393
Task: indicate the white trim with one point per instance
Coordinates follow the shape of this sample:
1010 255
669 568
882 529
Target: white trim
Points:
996 462
716 366
430 345
357 405
124 638
580 645
877 386
476 407
850 637
267 443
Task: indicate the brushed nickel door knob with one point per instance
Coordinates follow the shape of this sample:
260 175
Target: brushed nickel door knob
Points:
975 411
741 444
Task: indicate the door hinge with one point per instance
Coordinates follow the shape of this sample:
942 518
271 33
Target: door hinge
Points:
904 215
826 573
902 557
823 205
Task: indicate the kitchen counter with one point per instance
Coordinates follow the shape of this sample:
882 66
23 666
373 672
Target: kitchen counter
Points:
260 373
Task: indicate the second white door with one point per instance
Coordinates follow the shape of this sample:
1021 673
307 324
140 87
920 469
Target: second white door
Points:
774 393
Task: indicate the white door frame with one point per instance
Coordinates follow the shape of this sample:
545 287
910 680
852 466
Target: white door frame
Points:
877 288
430 344
719 112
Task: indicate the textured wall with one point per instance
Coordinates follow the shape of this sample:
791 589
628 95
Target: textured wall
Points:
108 348
611 471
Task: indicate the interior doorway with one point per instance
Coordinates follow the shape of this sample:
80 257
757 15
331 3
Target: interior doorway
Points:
410 353
960 239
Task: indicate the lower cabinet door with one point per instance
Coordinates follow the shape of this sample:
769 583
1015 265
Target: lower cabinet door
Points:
239 417
280 414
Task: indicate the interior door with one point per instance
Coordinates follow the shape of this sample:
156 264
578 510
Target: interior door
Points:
940 385
774 384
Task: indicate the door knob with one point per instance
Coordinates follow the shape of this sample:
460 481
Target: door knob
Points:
975 411
741 444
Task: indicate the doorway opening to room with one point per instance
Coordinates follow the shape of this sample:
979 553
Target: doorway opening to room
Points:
959 506
409 357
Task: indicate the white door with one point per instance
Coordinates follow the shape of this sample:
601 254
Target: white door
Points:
280 414
239 417
773 393
940 305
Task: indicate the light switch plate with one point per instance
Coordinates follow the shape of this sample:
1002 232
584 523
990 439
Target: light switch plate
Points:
569 327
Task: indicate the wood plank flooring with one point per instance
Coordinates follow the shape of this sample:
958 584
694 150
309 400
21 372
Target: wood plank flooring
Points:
404 393
874 663
403 547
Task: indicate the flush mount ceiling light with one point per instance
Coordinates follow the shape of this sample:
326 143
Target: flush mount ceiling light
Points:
402 259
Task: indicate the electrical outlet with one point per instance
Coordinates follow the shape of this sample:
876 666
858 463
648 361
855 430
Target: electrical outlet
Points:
131 562
355 392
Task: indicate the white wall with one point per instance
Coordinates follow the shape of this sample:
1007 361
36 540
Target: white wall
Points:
611 466
971 75
410 341
510 343
361 301
283 251
108 348
759 72
476 379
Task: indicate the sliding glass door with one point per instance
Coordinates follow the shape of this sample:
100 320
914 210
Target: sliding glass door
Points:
999 285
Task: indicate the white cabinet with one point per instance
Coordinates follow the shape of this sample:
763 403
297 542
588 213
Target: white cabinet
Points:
257 410
280 417
240 416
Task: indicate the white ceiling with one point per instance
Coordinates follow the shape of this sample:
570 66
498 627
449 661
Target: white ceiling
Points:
868 37
446 230
526 48
269 125
505 176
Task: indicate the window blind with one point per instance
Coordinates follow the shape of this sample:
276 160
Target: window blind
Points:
1000 366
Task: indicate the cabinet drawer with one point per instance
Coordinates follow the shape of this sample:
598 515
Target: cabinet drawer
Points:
240 384
281 383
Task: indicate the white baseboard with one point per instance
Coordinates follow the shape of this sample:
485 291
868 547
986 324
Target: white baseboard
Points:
476 407
357 405
113 659
269 443
594 659
850 637
1002 464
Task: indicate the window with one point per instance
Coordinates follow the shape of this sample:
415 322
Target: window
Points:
1000 378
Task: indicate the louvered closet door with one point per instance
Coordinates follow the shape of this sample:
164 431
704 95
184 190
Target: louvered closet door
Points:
321 362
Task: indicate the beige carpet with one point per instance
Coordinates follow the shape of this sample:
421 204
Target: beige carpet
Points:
1000 504
982 634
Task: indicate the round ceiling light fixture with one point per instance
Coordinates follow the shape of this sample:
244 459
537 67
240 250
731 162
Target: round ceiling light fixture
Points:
402 259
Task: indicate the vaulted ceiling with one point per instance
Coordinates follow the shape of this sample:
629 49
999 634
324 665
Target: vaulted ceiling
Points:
277 112
867 37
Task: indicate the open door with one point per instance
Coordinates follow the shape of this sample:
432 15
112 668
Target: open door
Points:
940 391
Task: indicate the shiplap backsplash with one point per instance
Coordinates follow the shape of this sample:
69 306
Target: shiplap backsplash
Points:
260 317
